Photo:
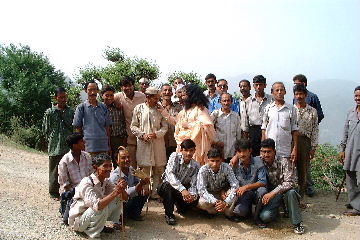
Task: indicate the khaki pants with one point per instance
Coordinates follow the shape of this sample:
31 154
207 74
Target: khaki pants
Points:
156 173
210 207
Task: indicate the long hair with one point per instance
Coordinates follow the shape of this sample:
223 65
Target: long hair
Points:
196 96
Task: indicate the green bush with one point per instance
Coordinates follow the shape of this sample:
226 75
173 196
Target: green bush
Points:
326 170
25 135
190 77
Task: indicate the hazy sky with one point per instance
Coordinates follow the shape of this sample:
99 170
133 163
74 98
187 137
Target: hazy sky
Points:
277 38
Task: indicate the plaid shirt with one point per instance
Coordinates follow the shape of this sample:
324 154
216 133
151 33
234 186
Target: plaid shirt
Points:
178 173
57 125
208 181
280 175
118 127
308 123
71 172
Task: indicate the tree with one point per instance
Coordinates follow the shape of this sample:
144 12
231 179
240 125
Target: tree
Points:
119 66
27 83
190 77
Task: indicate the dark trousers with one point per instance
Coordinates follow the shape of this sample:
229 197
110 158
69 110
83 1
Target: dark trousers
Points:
255 138
172 197
53 175
243 205
134 206
169 151
353 188
304 147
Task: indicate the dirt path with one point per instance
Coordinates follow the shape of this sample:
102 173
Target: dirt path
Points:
26 212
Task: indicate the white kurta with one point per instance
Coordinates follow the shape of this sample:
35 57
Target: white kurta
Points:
147 120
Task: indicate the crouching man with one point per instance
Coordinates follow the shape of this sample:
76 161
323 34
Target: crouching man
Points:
96 200
136 190
280 186
216 185
179 186
251 174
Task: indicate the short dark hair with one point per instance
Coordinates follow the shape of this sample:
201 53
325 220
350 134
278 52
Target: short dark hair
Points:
73 138
214 153
165 84
247 82
300 88
222 79
59 90
242 144
259 79
272 87
127 80
187 144
231 97
210 75
357 88
268 143
301 78
100 159
88 82
107 88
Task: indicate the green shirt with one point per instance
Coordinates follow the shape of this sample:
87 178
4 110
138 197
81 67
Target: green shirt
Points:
57 125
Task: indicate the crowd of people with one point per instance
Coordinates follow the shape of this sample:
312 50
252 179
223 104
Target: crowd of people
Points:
189 148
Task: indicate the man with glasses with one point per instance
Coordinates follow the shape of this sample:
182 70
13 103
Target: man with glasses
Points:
222 87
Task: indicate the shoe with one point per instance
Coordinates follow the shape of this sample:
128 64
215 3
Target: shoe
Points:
117 226
108 230
261 225
348 206
170 220
299 229
352 212
235 219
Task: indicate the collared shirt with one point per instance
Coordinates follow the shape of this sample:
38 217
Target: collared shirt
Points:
56 127
88 194
280 175
173 109
208 181
207 94
93 121
118 127
256 110
215 104
308 123
178 173
128 107
313 100
228 130
131 180
279 124
71 172
256 172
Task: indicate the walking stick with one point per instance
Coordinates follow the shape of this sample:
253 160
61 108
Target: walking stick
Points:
340 187
122 236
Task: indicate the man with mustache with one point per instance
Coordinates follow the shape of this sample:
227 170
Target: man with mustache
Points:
245 99
211 92
92 119
222 87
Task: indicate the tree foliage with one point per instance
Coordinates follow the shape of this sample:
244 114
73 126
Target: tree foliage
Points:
119 66
190 77
27 84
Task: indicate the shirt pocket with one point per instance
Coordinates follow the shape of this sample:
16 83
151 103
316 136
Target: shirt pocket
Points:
285 122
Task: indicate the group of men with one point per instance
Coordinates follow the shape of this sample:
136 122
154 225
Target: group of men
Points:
95 150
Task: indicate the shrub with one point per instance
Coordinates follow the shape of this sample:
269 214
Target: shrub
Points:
28 136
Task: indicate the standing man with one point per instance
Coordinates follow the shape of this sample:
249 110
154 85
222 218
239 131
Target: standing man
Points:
178 81
280 124
211 92
222 87
118 134
56 127
350 155
308 137
227 126
149 126
255 111
144 84
245 99
92 119
281 188
313 100
179 186
128 99
173 110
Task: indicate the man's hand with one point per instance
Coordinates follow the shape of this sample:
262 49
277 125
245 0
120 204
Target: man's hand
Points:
342 157
67 188
241 190
267 197
187 196
234 161
220 206
223 194
121 186
151 136
144 181
293 155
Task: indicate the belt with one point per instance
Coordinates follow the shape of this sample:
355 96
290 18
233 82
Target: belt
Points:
255 126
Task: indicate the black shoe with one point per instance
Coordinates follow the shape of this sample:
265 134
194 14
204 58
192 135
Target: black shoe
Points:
170 220
235 219
348 206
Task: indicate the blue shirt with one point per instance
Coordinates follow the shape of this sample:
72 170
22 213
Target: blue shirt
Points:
131 180
215 104
256 172
93 121
313 100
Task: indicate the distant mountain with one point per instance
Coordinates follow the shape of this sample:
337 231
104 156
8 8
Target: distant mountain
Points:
336 97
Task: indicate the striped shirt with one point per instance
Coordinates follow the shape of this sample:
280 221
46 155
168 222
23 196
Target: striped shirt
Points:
256 110
208 182
118 127
178 173
71 172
